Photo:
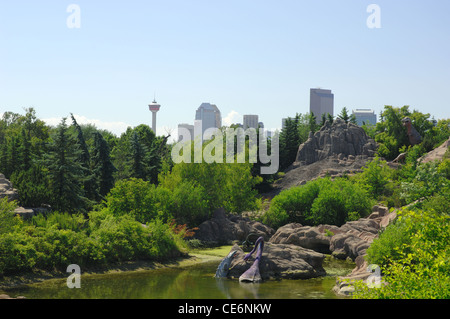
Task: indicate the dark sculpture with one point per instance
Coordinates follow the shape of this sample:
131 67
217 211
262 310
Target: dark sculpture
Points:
413 135
252 274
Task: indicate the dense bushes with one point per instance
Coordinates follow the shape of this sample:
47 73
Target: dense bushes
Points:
57 240
321 201
413 252
414 256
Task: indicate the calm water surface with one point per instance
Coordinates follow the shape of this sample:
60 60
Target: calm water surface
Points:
193 282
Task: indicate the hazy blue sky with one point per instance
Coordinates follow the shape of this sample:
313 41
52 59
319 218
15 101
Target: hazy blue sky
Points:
247 57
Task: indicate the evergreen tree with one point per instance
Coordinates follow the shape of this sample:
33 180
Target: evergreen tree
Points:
12 156
103 167
289 142
138 154
24 150
344 115
66 173
84 159
330 118
312 121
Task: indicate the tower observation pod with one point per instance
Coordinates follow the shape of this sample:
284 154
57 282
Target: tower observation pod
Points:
154 108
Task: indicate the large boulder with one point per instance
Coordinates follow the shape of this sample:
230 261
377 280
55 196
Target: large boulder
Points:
280 261
339 138
314 238
224 229
348 241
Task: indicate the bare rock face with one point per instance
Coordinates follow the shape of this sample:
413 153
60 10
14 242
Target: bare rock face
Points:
334 139
223 229
437 154
280 261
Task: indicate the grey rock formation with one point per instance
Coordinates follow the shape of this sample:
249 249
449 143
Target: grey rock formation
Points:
280 261
223 229
304 236
335 139
7 190
348 241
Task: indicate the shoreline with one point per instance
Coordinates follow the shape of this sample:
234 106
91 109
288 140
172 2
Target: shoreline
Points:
38 276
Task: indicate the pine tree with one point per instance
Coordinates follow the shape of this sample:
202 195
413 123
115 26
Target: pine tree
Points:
138 153
103 167
24 150
66 173
289 141
84 158
344 115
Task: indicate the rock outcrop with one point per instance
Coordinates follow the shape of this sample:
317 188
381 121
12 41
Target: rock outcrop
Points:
337 149
336 139
351 240
7 190
224 229
280 261
437 154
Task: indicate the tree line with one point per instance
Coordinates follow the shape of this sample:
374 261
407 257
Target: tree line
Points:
71 167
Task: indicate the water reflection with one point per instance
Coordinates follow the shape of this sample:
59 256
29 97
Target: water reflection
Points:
194 282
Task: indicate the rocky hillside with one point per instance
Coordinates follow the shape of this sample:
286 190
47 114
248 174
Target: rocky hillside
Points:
338 148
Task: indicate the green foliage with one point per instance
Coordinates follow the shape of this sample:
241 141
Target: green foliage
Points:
392 135
133 197
6 215
375 178
225 185
430 179
294 133
33 185
346 117
416 264
59 239
65 172
317 202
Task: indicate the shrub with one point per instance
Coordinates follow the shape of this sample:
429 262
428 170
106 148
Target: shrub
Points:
7 220
317 202
135 197
418 266
293 205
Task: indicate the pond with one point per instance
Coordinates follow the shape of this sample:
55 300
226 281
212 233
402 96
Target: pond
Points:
186 282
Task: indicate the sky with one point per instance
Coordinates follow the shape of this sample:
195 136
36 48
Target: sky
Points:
106 62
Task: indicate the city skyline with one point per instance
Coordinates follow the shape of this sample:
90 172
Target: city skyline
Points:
107 69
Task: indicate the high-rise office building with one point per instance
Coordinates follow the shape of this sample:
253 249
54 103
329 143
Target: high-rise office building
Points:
321 102
210 116
250 121
365 116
